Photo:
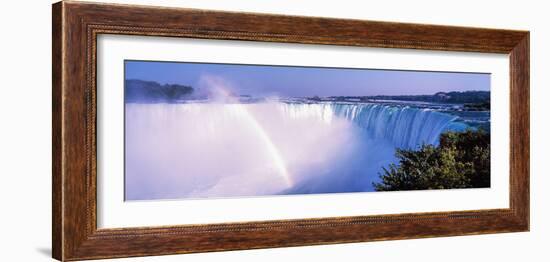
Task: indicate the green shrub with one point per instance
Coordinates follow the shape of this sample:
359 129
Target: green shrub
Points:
462 160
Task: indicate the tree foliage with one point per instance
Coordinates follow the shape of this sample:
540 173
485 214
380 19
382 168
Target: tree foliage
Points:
150 91
466 97
462 160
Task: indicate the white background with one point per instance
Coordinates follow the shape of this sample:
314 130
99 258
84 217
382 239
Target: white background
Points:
25 146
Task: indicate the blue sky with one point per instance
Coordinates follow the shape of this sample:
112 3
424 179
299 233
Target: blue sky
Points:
286 81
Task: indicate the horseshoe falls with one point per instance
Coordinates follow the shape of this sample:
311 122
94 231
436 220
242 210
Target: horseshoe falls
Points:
403 126
197 150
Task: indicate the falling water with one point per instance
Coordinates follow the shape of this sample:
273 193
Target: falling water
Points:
232 149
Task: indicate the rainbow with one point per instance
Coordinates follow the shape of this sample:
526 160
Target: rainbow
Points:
262 135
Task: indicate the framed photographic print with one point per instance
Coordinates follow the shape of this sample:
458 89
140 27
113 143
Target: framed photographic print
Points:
182 130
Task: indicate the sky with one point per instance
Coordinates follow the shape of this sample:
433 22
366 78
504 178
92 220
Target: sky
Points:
290 81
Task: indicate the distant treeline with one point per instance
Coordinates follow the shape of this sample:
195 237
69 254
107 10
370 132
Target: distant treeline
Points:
443 97
466 97
484 106
150 91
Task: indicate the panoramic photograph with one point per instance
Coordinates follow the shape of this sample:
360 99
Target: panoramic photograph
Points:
210 130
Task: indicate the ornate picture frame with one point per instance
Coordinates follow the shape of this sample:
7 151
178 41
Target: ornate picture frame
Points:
76 27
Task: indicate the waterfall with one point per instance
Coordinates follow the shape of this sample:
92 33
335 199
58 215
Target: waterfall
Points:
404 126
238 149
